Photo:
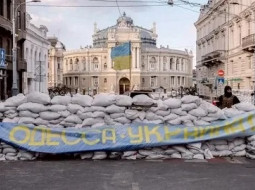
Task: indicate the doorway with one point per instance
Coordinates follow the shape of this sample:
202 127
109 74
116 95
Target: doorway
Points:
124 85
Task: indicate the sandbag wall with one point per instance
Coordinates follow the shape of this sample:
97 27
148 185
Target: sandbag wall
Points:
82 111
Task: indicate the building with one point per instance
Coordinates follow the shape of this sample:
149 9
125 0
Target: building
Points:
225 41
90 69
55 62
36 56
6 43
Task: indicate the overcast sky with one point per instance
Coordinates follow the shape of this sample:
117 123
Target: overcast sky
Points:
74 26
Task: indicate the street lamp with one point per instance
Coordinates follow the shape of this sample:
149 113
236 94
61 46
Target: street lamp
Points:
15 90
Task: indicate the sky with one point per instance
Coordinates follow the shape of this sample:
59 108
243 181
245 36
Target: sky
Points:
75 26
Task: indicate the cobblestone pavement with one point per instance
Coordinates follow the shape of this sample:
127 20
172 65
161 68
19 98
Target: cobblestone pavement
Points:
234 174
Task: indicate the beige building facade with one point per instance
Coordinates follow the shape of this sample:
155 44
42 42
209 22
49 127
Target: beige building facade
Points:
55 62
225 41
90 69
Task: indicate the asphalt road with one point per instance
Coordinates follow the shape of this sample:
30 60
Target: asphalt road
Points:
127 175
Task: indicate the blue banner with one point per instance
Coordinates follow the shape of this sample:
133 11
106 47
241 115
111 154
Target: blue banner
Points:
121 138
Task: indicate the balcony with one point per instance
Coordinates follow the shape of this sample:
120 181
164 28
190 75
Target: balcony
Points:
6 24
248 43
213 58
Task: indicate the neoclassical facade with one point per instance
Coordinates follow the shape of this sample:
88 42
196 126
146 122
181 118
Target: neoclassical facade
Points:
36 55
225 41
55 62
90 69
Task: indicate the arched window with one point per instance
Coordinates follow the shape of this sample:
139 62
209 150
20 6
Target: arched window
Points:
84 64
66 66
153 63
164 63
71 65
178 64
171 63
95 63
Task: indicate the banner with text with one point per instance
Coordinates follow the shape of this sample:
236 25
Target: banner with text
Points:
121 138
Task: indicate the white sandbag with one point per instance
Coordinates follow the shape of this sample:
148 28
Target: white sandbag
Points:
65 113
122 120
239 148
188 123
223 153
115 155
187 156
151 116
155 157
142 100
240 153
2 107
40 121
104 100
11 116
142 115
210 108
219 142
188 107
47 115
221 147
157 121
146 152
92 121
82 100
1 115
171 116
163 113
208 154
238 141
176 155
61 100
130 157
8 120
87 155
181 149
58 121
201 123
177 121
85 115
188 117
129 153
9 150
154 109
74 108
10 112
99 156
123 100
199 112
209 119
98 114
108 120
117 115
97 108
197 145
173 103
189 99
11 158
131 114
115 109
73 119
232 112
28 114
24 154
26 120
33 107
88 109
251 138
78 126
139 156
251 156
15 101
97 125
179 111
57 108
38 97
170 151
219 115
199 156
137 120
161 105
244 106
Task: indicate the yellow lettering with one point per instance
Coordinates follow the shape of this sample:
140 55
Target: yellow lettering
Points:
136 138
49 138
193 133
202 131
169 134
154 131
250 122
238 126
86 141
227 128
64 139
33 142
214 131
108 138
20 129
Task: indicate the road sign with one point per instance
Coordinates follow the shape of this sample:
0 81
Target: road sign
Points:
2 58
221 81
221 73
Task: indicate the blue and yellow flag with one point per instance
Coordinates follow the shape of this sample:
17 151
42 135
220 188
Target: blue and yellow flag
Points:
121 56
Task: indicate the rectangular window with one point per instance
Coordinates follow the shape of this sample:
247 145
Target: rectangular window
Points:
58 65
143 80
9 9
153 81
19 20
172 81
2 8
95 81
76 81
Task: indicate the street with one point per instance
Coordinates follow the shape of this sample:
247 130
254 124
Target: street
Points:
236 174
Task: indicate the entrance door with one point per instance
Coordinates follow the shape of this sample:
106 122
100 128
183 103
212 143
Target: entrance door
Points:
124 85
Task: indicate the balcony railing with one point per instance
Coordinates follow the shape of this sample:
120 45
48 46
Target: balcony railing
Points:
213 57
248 43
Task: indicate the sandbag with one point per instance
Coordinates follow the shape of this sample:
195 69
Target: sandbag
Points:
104 100
98 114
26 120
82 100
99 156
188 107
15 101
40 121
163 113
173 103
73 119
190 99
85 115
151 116
201 123
38 97
142 100
57 108
2 107
28 114
33 107
74 108
115 109
92 121
49 115
122 120
86 155
232 112
172 116
244 106
117 115
123 100
199 112
61 100
97 108
179 111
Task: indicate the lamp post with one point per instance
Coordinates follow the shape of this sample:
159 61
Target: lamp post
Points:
15 90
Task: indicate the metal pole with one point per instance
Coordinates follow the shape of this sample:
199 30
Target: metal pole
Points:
14 53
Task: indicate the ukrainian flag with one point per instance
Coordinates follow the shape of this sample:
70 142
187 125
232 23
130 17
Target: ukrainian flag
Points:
121 56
